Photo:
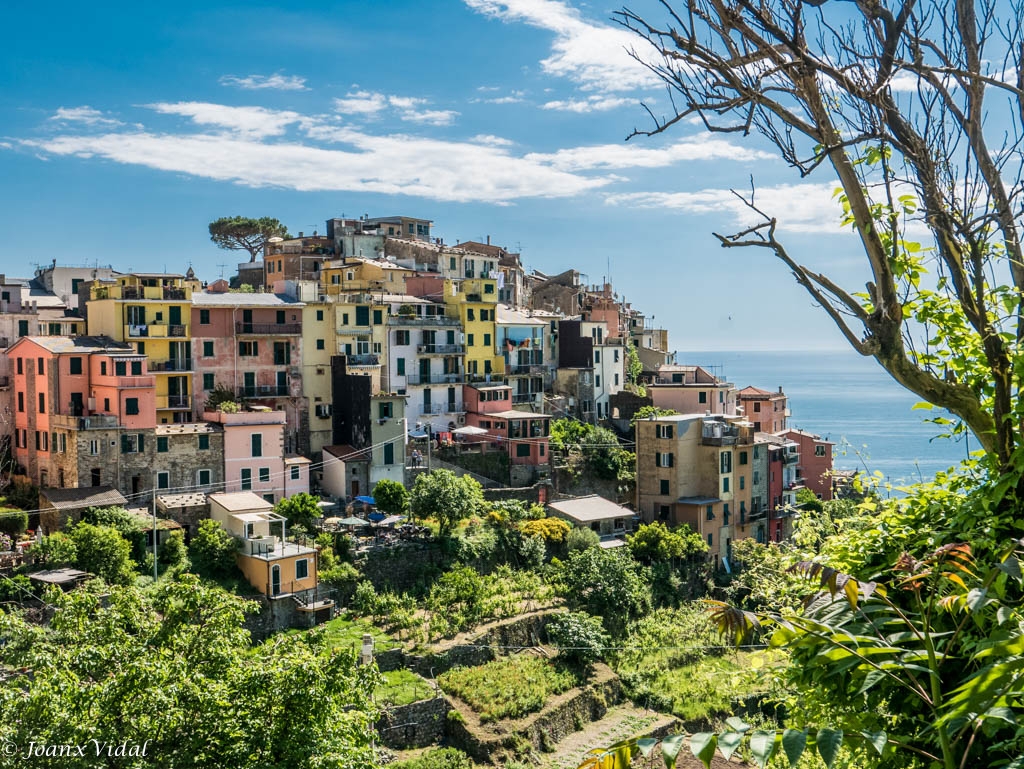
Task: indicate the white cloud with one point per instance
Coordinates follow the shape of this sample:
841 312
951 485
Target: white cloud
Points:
595 56
408 108
511 99
592 103
495 141
621 156
488 88
806 208
255 122
361 103
277 82
430 116
85 115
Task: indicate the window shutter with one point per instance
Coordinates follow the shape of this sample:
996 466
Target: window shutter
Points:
124 443
142 444
668 431
671 460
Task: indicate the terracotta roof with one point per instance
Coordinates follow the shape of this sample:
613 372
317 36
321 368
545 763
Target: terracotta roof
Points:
752 391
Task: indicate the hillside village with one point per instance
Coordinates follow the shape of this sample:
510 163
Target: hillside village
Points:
304 415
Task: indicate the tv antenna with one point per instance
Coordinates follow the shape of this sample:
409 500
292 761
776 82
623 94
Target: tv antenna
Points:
222 265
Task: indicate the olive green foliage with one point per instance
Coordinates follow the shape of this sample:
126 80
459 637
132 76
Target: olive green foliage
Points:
581 638
514 543
127 525
21 492
173 551
55 550
391 497
300 509
646 412
436 758
656 542
462 599
808 500
553 531
634 367
446 497
13 522
102 551
175 667
597 448
509 687
212 551
242 233
581 538
606 583
219 396
761 580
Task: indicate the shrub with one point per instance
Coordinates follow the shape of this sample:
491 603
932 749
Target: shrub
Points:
656 542
581 539
13 522
391 497
22 493
438 758
173 551
552 530
102 551
212 551
580 637
55 550
300 509
509 687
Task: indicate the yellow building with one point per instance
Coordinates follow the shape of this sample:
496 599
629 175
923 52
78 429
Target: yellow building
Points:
361 333
474 302
318 345
355 274
152 311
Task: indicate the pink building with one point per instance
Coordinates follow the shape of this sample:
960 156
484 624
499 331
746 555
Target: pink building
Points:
766 409
251 344
691 390
815 461
254 457
524 433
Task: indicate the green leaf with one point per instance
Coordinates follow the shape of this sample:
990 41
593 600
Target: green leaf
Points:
1001 714
728 742
871 679
702 745
646 745
737 724
923 405
877 740
828 743
793 743
762 745
670 749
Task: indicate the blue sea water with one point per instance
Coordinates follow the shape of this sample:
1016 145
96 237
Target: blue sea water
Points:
850 400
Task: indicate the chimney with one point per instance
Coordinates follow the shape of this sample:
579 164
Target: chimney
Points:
488 240
780 390
302 234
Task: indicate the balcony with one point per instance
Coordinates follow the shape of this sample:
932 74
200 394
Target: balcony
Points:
136 293
362 360
791 458
164 402
264 391
171 364
434 409
268 329
427 379
441 349
92 422
518 369
158 330
423 320
525 397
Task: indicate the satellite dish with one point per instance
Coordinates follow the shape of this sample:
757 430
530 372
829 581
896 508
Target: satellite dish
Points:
275 239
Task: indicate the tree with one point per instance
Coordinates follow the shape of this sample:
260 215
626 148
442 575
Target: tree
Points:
645 412
580 636
300 509
892 98
656 542
212 550
552 530
126 524
174 667
173 551
240 233
606 583
447 497
391 497
55 550
581 538
13 522
102 551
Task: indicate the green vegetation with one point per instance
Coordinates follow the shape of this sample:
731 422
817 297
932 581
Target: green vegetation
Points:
447 498
509 687
391 497
212 551
402 687
243 233
596 449
580 638
607 584
343 634
438 758
300 509
581 538
646 412
656 542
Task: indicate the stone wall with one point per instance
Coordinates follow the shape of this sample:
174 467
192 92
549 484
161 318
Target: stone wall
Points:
281 614
414 726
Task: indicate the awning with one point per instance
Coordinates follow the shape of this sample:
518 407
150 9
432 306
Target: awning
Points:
366 500
376 517
391 520
350 521
469 430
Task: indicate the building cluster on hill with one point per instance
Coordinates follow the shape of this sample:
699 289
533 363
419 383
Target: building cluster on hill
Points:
335 351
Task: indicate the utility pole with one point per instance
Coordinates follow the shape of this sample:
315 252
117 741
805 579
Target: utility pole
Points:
430 441
155 575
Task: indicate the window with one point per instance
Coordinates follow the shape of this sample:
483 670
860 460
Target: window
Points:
264 475
76 365
725 462
725 512
384 410
204 442
522 449
106 405
451 263
282 353
42 403
725 485
207 349
615 357
702 397
20 367
470 313
21 401
256 444
103 368
295 472
248 349
302 568
757 407
96 476
40 366
664 459
469 340
389 453
597 380
616 380
743 457
280 317
487 340
378 317
819 451
204 477
319 314
163 480
757 477
132 443
22 328
246 479
362 316
131 406
488 288
709 512
743 482
161 445
400 364
665 488
320 344
597 356
94 447
136 368
204 317
402 337
120 368
269 498
209 382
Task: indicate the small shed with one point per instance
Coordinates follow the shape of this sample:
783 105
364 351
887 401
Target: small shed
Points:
58 507
187 509
65 579
611 521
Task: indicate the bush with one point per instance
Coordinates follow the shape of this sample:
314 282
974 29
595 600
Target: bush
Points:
102 551
656 542
22 493
13 522
581 638
213 550
55 550
438 758
509 687
172 551
126 524
300 509
581 539
606 583
553 530
391 497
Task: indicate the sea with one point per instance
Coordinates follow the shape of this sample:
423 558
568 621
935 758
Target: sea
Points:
852 401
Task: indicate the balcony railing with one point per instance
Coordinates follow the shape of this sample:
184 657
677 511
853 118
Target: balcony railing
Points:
452 407
441 349
263 391
176 330
423 320
92 422
171 364
156 330
525 397
174 402
426 379
170 293
268 329
363 360
532 368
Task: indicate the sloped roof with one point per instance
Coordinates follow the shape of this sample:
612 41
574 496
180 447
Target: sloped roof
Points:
81 344
590 508
88 496
228 299
240 501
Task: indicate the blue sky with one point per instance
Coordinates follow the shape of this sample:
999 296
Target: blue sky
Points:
128 127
